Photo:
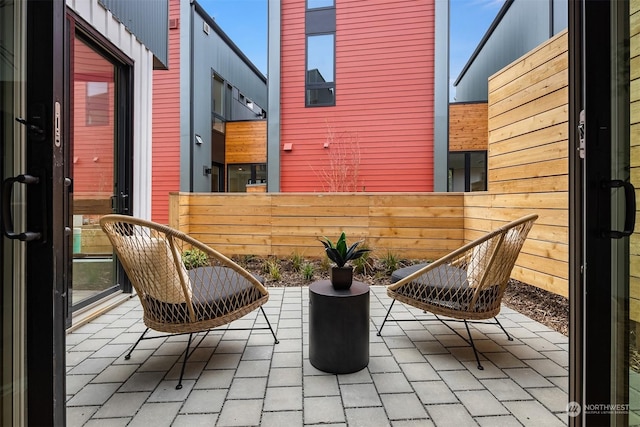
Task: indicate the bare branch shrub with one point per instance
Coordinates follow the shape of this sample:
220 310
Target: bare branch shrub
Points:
342 172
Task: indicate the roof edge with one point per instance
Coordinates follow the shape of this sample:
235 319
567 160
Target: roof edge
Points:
212 23
507 4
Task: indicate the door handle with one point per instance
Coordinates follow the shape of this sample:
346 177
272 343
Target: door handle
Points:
122 206
630 209
125 202
7 218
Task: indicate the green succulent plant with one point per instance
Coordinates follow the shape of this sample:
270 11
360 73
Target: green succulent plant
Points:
340 253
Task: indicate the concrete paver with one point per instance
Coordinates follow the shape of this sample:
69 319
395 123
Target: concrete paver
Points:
419 373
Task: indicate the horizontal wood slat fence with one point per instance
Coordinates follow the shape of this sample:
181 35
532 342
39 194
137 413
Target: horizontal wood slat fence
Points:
408 225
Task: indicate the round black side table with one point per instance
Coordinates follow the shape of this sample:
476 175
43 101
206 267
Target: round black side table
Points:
338 327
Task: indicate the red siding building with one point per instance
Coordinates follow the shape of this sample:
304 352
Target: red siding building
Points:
379 121
166 124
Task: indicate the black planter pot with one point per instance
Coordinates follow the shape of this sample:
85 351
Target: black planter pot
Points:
341 277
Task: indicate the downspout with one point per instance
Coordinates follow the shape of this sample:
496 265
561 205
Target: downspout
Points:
441 97
191 94
273 96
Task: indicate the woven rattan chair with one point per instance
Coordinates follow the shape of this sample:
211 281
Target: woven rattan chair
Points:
467 284
174 299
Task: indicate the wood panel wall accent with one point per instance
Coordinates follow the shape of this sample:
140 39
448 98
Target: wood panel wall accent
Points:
528 162
413 225
634 243
246 142
468 126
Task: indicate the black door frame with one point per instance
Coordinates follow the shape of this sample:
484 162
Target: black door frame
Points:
591 368
576 170
591 272
45 267
122 202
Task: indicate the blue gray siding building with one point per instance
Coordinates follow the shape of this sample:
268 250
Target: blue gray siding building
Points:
520 26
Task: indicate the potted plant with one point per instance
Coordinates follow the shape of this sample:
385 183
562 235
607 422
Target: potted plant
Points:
340 253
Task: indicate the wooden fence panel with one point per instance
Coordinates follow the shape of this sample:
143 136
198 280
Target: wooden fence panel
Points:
528 162
407 225
411 225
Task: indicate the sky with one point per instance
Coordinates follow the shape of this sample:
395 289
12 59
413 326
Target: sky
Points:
245 22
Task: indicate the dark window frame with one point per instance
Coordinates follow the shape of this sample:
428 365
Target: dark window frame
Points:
320 22
467 168
310 86
253 171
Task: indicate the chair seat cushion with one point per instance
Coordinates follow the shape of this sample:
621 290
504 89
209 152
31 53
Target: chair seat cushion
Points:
447 286
216 291
401 273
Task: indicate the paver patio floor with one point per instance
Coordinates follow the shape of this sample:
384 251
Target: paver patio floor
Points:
419 373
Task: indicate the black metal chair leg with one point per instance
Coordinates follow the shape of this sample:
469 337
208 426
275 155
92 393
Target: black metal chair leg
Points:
128 355
473 346
503 329
269 324
184 362
385 318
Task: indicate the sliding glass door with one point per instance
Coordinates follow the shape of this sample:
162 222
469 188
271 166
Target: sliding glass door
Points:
99 163
605 294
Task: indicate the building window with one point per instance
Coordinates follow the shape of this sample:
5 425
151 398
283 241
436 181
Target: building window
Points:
468 171
218 102
320 29
98 106
245 177
218 96
315 4
320 69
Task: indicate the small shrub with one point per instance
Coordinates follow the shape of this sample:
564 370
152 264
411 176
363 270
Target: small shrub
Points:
274 270
325 263
308 271
243 260
297 260
364 264
194 258
390 262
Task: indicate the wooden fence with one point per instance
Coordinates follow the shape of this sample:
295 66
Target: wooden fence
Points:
408 225
414 225
528 161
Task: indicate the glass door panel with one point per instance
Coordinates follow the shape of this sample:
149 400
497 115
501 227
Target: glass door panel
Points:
11 266
634 241
93 172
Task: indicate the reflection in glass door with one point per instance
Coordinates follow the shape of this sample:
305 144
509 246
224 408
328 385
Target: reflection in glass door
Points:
11 267
633 267
93 170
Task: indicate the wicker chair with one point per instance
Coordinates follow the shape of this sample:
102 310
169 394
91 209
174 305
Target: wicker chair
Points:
467 284
176 300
